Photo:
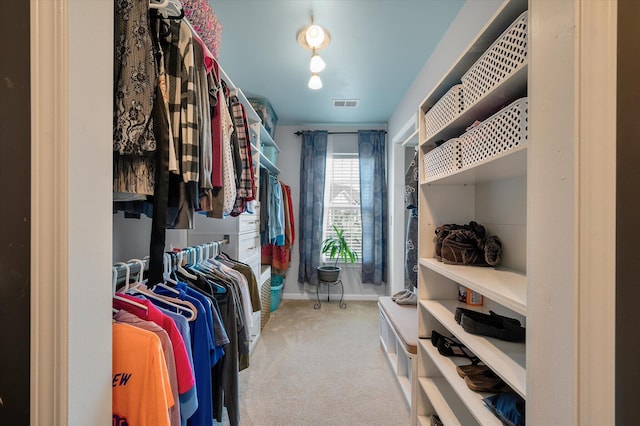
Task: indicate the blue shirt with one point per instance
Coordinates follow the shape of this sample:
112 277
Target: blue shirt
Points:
202 346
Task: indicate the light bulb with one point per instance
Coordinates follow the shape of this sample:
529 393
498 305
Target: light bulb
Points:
314 82
317 63
314 35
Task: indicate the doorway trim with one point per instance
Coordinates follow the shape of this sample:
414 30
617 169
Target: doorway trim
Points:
49 212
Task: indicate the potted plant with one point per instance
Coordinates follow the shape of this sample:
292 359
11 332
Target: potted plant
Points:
335 247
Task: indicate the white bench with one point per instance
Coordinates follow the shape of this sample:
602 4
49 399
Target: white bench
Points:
399 339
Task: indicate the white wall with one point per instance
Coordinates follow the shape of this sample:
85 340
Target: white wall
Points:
131 238
472 17
289 165
90 129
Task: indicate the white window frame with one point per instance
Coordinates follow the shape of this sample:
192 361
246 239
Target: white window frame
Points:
331 155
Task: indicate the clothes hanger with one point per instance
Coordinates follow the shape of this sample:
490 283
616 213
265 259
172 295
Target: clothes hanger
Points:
181 269
168 269
181 305
153 4
124 299
114 281
167 276
173 6
140 279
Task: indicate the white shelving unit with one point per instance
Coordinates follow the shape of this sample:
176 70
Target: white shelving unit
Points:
505 286
260 137
491 192
452 384
258 133
507 359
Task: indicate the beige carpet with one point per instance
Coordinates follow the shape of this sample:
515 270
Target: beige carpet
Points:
321 367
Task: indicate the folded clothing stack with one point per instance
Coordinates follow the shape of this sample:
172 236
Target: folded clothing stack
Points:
491 325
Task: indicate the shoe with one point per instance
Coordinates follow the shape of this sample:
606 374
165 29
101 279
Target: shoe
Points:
463 247
435 420
493 250
500 329
436 337
482 383
400 294
408 299
474 369
508 407
448 348
441 233
491 319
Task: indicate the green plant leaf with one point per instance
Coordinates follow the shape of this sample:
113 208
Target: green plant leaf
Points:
336 247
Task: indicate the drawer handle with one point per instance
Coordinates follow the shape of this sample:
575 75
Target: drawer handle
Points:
252 248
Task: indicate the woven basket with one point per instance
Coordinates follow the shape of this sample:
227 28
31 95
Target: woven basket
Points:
265 303
444 111
443 160
503 58
503 131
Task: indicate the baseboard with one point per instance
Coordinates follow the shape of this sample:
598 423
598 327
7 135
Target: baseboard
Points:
352 297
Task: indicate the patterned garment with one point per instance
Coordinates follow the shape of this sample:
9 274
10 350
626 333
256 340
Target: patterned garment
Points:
134 79
411 184
205 22
183 99
411 203
247 183
223 200
204 118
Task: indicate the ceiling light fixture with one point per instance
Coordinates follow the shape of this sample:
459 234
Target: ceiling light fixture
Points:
316 64
313 37
314 82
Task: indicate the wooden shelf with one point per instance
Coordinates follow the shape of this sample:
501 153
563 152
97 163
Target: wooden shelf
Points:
471 399
265 162
504 286
507 165
506 359
446 403
512 88
266 139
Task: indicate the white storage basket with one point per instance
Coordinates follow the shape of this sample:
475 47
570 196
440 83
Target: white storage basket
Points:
505 130
443 160
503 58
444 111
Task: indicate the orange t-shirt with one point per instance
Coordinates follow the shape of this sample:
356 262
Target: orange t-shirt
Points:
141 388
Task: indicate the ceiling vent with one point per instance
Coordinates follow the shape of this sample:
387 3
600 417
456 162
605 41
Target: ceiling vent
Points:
346 103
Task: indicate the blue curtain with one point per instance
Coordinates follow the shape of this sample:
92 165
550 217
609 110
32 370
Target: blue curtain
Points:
312 173
373 205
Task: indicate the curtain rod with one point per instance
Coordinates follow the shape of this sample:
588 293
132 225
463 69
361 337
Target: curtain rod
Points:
299 132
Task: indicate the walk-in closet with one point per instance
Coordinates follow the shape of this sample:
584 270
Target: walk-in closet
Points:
242 212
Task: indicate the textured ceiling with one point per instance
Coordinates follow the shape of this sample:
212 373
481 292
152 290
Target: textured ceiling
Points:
377 49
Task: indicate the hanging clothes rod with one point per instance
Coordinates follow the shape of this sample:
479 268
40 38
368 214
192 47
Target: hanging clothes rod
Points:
134 266
299 132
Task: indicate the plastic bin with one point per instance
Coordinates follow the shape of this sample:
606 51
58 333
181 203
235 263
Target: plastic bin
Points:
271 152
266 113
276 296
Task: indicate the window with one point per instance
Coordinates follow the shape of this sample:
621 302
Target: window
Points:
342 199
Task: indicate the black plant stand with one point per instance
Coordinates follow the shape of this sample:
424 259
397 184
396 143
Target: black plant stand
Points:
329 284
